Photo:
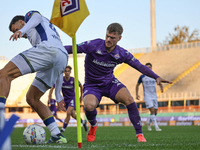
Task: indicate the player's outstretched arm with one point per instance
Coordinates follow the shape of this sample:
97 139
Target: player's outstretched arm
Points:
81 91
159 82
136 91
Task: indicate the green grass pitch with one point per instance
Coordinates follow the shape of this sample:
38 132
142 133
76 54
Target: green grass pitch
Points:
120 138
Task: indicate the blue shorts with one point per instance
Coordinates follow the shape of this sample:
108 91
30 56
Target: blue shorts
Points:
109 90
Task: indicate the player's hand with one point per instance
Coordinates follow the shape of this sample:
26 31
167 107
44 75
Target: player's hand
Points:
61 104
16 35
159 82
137 97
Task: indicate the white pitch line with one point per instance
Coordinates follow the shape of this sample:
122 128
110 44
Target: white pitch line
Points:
98 146
43 146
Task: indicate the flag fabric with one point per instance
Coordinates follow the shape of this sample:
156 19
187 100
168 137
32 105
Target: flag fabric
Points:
6 131
68 15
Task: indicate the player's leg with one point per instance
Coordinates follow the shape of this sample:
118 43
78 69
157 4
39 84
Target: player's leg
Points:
153 114
119 93
7 74
33 99
66 121
49 69
84 122
153 118
149 124
90 103
156 111
123 96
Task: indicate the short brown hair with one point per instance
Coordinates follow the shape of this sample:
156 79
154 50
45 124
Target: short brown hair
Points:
70 68
115 27
148 64
15 19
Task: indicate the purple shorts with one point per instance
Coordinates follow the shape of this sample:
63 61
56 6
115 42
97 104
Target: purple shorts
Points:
109 90
70 102
54 111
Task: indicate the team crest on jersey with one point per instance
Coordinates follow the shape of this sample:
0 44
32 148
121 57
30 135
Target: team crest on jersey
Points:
71 82
69 6
117 56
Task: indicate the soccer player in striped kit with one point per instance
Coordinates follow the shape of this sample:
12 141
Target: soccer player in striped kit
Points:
150 97
47 57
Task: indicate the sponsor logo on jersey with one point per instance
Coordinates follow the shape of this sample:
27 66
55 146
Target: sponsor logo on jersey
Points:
69 6
105 64
67 87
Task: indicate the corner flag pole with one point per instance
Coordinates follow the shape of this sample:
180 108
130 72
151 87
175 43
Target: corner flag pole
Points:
68 16
78 117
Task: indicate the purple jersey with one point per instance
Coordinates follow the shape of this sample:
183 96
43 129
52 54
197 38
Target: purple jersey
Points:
99 64
68 89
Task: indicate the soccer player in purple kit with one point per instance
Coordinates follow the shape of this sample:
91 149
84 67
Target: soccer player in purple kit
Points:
102 56
53 108
69 97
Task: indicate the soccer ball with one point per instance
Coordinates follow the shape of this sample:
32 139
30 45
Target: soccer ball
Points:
34 134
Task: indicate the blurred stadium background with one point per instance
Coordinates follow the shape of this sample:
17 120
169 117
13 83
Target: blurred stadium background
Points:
178 105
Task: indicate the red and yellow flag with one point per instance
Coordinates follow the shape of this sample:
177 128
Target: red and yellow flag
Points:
69 14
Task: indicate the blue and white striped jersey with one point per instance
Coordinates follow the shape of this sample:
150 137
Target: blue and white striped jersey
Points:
149 87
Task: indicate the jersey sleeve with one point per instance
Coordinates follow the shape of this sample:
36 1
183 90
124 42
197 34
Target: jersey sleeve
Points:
32 19
140 79
84 47
135 63
29 15
58 87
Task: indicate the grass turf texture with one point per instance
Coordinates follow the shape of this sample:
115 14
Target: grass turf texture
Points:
123 138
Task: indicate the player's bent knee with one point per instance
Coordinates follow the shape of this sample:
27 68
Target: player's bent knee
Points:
89 107
128 101
29 101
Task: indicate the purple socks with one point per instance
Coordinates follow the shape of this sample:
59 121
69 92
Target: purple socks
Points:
134 117
91 116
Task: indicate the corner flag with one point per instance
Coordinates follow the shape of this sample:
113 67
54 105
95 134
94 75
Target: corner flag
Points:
68 15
